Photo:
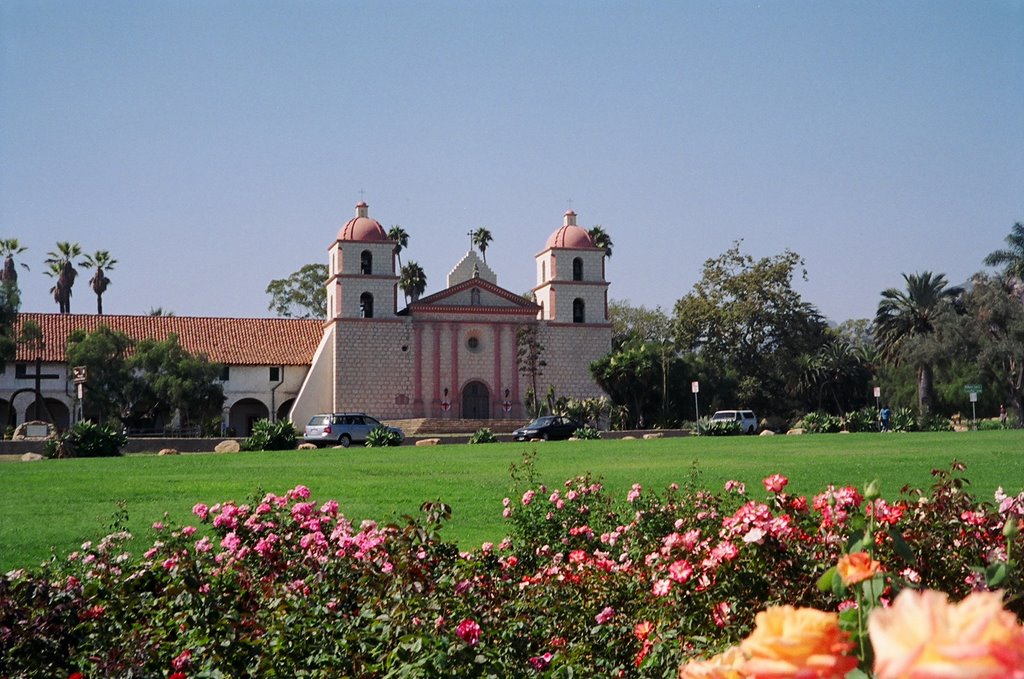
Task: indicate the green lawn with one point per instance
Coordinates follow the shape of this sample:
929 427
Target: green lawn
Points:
59 504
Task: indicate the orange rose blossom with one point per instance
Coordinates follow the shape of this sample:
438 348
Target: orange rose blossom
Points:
797 643
857 567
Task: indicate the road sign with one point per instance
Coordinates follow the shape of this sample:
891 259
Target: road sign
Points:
695 387
972 388
878 392
974 397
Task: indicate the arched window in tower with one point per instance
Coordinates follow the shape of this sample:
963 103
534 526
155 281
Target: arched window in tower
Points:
366 305
474 296
577 269
579 311
366 263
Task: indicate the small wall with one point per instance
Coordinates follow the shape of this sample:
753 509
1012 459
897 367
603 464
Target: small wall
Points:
142 445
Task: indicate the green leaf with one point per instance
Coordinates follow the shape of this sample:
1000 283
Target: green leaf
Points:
902 548
856 542
995 574
825 581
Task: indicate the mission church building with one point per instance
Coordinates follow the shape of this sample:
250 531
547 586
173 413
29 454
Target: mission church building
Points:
452 354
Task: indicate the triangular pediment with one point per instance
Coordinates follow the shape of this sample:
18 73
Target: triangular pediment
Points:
475 295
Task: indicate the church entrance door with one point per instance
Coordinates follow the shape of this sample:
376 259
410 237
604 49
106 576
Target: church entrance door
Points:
476 401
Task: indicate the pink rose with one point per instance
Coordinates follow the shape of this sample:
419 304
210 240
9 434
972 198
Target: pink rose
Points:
775 483
662 587
469 632
923 633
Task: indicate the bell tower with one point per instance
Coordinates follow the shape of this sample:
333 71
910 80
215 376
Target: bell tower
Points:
362 282
571 287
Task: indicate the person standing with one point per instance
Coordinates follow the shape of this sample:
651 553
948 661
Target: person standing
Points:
1002 415
886 418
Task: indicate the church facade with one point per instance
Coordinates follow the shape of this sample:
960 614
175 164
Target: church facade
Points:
455 353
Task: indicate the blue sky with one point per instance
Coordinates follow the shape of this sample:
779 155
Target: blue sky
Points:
214 146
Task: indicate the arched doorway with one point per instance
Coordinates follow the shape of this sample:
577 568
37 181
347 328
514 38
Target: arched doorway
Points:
50 407
7 415
244 414
285 409
476 401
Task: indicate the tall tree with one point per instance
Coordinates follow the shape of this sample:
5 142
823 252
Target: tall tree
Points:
9 305
104 354
159 311
412 281
747 322
482 239
169 379
838 370
1011 258
630 323
601 239
62 263
101 262
904 321
530 354
996 310
9 248
401 238
301 295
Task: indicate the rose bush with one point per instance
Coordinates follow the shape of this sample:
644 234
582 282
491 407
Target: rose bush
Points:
585 583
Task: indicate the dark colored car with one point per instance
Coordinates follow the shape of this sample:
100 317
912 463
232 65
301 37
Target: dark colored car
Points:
549 428
343 429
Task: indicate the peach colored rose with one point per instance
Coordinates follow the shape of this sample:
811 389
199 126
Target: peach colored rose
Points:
924 635
857 567
725 665
797 643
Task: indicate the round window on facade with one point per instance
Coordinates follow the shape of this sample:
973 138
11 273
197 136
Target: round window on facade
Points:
473 343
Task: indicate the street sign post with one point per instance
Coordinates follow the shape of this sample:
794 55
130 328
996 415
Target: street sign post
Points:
695 388
973 390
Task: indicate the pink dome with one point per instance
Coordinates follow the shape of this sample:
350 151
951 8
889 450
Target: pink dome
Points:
570 235
362 228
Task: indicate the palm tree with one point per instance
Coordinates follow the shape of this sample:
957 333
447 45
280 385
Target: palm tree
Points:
159 311
62 267
602 239
401 238
413 281
481 239
906 316
100 261
1012 258
9 247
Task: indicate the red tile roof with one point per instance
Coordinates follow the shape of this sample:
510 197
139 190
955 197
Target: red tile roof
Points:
232 341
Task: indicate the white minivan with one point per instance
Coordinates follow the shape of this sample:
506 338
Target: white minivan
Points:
746 418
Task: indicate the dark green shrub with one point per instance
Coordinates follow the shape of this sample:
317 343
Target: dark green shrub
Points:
381 437
709 427
87 439
935 422
865 419
904 419
818 422
483 435
267 435
586 434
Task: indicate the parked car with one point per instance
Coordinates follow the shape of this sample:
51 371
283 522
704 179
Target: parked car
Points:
343 429
549 428
746 418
